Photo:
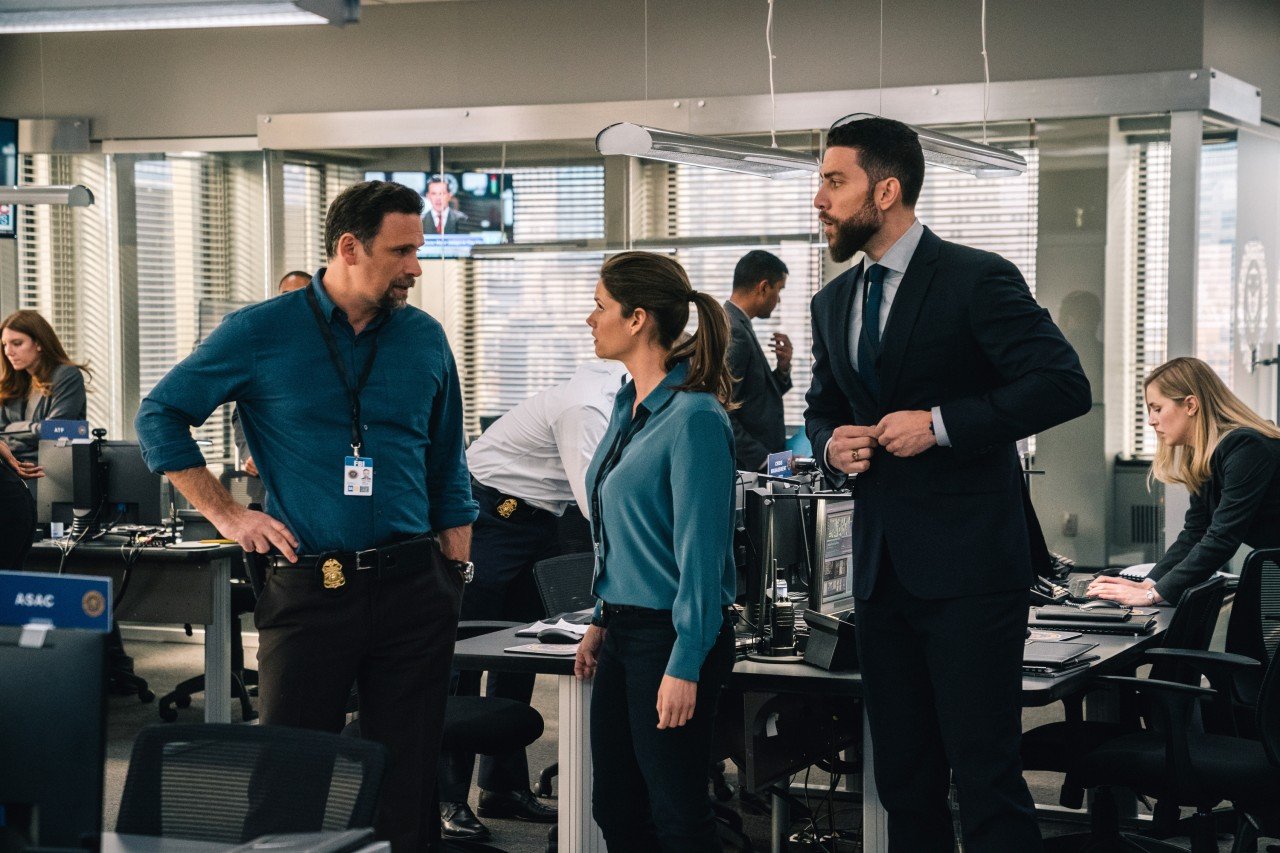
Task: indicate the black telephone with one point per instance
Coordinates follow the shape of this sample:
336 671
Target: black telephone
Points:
1045 591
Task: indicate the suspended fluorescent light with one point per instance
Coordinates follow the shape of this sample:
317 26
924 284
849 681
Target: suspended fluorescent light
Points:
728 155
54 16
75 195
953 152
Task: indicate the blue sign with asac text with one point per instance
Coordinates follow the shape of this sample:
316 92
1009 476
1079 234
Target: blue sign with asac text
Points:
63 601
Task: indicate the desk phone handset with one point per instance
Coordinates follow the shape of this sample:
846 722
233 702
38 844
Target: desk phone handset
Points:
1044 591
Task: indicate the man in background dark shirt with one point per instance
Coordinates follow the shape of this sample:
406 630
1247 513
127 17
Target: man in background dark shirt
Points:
758 426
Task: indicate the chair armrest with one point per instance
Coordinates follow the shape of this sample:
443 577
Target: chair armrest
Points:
1183 692
1197 658
1220 668
475 627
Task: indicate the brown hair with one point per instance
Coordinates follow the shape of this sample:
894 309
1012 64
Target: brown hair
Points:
1220 412
16 384
660 286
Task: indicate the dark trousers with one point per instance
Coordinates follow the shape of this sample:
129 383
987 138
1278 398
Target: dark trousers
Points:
504 551
18 527
392 638
650 785
943 686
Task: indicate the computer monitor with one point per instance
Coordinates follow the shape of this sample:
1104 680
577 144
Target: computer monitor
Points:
832 588
8 174
53 717
106 479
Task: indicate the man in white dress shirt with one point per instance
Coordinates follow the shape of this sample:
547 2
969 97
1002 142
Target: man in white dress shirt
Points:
526 469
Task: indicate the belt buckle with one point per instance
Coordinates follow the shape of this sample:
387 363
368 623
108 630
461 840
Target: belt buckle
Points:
361 566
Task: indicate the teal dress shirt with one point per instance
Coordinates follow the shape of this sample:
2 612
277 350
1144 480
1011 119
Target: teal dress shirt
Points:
661 486
272 360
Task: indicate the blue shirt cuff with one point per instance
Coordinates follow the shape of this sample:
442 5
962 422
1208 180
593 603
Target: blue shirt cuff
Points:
939 428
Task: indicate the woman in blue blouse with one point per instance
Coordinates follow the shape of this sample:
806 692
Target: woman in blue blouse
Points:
661 490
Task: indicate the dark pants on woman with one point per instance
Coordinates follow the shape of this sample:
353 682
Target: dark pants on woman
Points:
18 511
650 785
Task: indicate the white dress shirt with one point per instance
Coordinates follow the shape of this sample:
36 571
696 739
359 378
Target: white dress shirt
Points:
895 262
539 451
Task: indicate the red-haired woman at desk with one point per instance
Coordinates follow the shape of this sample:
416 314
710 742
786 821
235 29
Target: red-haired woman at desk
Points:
1228 457
38 381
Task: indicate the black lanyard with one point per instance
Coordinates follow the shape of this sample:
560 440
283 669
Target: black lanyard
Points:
610 461
352 393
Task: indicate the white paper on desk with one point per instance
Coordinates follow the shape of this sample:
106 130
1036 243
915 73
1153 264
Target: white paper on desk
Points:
558 650
563 624
1137 572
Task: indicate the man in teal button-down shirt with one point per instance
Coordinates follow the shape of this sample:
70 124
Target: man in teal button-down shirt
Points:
390 633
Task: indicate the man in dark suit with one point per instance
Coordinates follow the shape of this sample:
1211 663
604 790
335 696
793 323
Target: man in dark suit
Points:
931 360
758 426
440 216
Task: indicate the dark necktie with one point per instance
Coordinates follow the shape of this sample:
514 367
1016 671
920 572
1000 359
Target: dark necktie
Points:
869 340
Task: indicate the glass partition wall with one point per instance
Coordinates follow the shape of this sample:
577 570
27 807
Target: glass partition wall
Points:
177 240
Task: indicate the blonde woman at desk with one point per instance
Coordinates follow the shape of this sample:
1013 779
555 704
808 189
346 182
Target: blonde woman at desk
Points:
1228 457
661 492
38 381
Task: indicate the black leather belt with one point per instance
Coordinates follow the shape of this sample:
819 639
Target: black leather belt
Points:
386 561
508 506
611 610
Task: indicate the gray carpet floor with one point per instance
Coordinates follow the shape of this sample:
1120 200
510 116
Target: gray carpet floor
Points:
166 664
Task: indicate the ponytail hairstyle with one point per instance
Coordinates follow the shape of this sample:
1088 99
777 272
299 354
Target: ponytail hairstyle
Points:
660 286
1220 412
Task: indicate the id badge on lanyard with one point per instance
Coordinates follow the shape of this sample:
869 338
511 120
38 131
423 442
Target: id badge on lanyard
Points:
357 476
357 470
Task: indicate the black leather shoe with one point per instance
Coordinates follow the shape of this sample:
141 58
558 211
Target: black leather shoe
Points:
457 821
521 805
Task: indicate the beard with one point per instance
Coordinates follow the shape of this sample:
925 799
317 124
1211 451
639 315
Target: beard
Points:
852 234
393 301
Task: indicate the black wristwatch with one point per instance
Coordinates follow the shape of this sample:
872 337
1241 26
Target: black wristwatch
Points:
466 568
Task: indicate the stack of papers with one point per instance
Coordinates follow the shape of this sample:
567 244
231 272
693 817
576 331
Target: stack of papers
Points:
576 623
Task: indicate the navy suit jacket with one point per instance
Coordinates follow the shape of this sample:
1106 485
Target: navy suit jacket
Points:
964 333
759 425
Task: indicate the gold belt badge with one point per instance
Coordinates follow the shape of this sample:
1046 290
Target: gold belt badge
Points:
332 572
507 507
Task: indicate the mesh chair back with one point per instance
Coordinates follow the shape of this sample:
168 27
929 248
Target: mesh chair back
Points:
1254 628
1192 626
1269 711
230 784
564 582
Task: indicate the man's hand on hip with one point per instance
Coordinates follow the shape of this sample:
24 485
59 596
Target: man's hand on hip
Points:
907 433
257 531
850 448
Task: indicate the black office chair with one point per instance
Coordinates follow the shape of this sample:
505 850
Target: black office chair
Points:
1058 746
564 585
1185 766
231 783
1254 629
243 600
564 582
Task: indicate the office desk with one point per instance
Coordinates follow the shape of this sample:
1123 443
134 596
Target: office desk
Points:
168 586
578 832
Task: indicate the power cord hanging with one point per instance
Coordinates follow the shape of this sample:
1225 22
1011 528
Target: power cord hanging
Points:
773 101
986 74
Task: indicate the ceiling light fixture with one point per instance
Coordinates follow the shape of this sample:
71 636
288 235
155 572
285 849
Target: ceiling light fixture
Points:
954 152
74 195
712 152
60 16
